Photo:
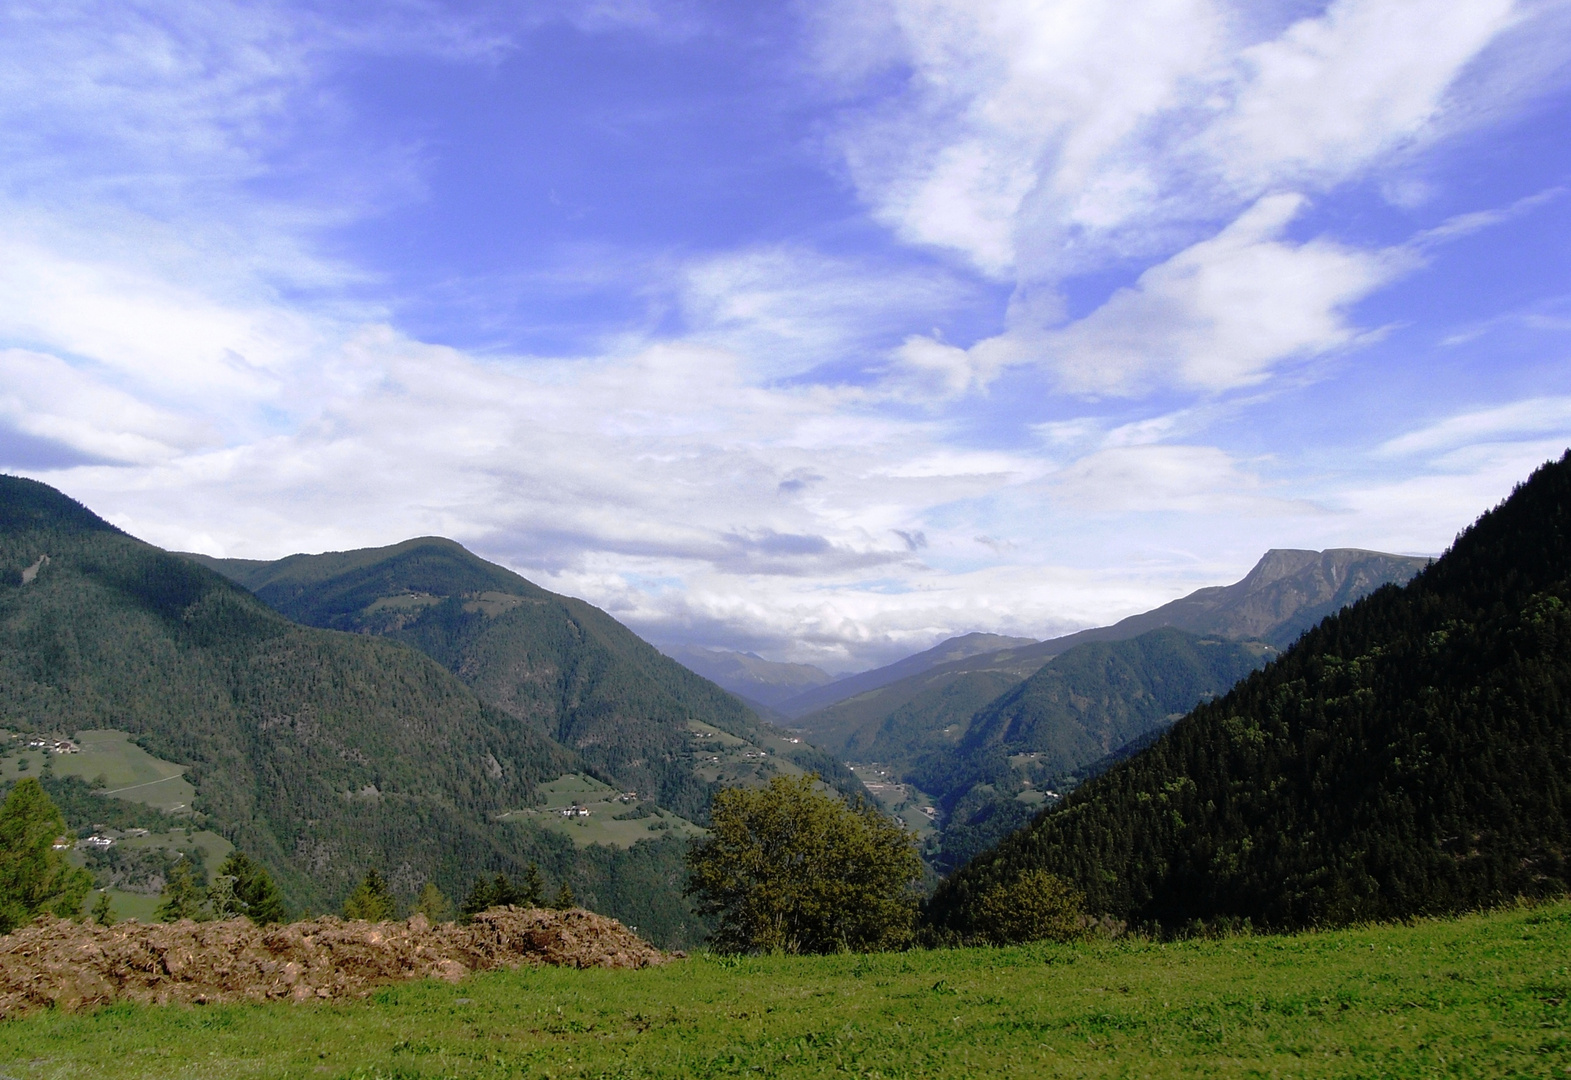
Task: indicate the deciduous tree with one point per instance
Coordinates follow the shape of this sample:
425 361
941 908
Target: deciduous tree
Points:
789 868
1035 906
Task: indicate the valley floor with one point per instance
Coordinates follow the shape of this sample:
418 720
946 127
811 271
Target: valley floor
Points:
1481 996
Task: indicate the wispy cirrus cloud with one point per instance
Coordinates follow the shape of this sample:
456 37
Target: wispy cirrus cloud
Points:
1519 421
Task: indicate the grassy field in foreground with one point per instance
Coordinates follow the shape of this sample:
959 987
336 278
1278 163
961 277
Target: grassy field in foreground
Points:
1482 996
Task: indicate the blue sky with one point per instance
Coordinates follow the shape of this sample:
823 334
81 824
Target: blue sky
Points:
821 329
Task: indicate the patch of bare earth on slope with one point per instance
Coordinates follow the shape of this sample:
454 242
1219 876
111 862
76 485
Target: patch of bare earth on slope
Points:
62 964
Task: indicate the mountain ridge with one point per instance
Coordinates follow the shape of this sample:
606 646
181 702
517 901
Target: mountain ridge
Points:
1410 755
749 676
945 652
1254 607
553 661
385 757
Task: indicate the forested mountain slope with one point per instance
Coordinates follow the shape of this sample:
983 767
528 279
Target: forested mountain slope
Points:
1090 701
1074 711
1409 755
552 662
321 753
1286 593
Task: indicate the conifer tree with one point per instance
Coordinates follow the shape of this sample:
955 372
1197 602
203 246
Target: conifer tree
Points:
433 904
103 914
183 896
250 892
482 896
35 877
564 897
532 892
371 900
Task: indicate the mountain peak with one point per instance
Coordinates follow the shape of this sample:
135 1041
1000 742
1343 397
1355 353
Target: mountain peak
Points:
26 505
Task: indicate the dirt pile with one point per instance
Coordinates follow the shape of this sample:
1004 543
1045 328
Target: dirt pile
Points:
71 965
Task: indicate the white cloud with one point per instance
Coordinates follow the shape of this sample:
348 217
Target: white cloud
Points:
176 340
786 309
45 397
168 319
1518 421
1334 92
1015 99
1037 135
1224 312
1165 478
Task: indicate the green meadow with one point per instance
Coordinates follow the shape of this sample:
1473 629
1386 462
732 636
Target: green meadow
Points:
1480 996
125 769
609 819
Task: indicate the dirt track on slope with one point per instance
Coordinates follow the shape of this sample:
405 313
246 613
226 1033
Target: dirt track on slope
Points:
69 965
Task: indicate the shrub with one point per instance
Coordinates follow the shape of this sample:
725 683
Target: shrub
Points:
1035 906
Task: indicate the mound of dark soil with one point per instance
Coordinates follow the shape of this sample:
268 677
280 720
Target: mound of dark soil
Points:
71 965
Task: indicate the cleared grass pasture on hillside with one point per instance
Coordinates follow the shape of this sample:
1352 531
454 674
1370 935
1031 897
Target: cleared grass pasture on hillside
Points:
608 816
1480 996
128 771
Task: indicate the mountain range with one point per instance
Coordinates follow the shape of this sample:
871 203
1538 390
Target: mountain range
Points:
554 664
1410 755
1287 592
412 707
982 737
944 653
409 714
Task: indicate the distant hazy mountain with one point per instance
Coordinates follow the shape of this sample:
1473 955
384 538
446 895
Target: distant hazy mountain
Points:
750 677
1287 592
956 648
